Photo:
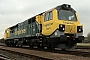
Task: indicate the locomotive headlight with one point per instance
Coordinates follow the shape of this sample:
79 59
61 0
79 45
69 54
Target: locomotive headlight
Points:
62 27
56 33
79 29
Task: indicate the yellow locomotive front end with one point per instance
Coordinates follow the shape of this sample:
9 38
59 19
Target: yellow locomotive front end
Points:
62 26
7 33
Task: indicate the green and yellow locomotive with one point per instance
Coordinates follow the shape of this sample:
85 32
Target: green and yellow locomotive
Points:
56 28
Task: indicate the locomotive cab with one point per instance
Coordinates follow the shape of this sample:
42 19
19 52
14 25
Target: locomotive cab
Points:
63 27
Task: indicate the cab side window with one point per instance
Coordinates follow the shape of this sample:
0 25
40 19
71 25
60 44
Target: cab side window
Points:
48 16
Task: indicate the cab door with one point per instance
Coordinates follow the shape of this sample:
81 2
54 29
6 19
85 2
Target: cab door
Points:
47 26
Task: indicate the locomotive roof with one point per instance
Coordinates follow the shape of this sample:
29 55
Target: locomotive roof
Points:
63 6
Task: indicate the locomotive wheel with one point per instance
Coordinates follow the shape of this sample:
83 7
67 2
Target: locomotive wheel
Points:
31 46
41 47
62 49
50 47
20 46
14 44
38 45
7 44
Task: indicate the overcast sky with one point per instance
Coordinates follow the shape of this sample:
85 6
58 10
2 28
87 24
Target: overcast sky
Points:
15 11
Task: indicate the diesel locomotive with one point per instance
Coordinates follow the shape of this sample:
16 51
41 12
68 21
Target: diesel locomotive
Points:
58 27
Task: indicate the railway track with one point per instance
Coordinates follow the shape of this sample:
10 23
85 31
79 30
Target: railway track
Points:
79 51
23 52
3 57
76 52
48 54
